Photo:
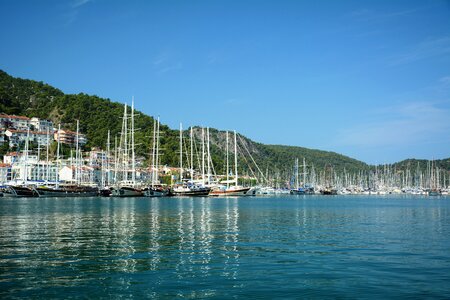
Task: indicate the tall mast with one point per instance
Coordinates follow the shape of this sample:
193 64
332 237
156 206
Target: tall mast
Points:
116 163
203 155
133 158
228 167
153 152
192 155
208 155
48 166
304 172
57 156
103 173
38 177
181 152
157 152
125 148
25 177
108 150
235 159
77 157
296 174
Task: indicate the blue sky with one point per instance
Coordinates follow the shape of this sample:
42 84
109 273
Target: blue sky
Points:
368 79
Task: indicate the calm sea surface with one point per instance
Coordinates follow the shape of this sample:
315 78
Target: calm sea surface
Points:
271 247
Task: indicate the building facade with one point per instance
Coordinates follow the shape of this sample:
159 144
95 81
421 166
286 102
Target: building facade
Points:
69 137
17 137
41 125
14 122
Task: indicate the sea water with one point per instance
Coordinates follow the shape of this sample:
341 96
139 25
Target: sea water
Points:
251 247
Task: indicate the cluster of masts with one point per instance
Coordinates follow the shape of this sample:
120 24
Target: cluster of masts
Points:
118 176
119 172
381 181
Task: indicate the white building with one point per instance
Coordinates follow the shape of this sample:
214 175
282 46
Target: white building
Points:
11 157
17 137
5 173
69 137
86 174
34 171
16 122
41 125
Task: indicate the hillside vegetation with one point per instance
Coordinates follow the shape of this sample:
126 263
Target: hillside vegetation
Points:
98 115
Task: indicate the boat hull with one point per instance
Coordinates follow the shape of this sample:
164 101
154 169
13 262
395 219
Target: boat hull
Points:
127 192
67 192
232 192
434 193
302 191
190 192
155 192
328 192
19 191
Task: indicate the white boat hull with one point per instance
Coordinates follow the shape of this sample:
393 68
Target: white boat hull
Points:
233 192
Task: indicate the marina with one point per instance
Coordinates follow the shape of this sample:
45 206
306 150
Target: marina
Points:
117 171
225 149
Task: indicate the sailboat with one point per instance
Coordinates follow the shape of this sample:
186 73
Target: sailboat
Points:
433 191
304 189
185 187
127 187
68 190
329 189
155 189
21 188
236 189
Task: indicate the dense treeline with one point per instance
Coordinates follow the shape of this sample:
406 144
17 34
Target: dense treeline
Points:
98 115
421 164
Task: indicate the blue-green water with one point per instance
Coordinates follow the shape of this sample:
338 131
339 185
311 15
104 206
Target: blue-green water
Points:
280 247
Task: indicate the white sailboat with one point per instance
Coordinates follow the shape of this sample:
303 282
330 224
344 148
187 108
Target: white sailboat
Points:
68 190
21 188
126 187
236 189
190 188
155 189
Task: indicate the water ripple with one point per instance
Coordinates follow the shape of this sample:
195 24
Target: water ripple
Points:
294 247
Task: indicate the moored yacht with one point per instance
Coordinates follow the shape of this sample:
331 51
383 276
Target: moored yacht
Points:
236 189
223 190
67 191
19 191
189 189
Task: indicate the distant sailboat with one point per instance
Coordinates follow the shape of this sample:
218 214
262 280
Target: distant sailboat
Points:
304 190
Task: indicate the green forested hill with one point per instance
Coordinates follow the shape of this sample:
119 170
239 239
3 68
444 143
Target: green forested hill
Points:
412 164
98 115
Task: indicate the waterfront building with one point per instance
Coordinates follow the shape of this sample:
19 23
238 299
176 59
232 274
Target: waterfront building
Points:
15 122
97 157
69 137
17 137
41 125
5 173
86 174
11 157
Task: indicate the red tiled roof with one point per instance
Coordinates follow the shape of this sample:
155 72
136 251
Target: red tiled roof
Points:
12 153
14 117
